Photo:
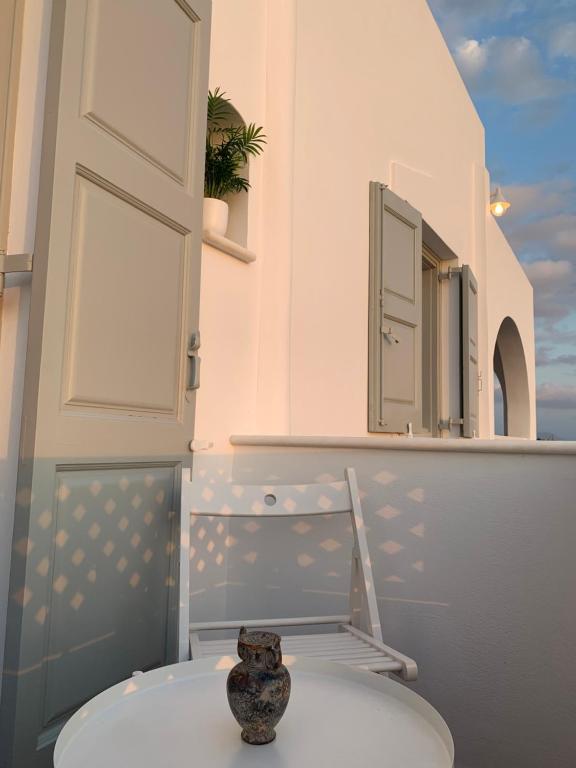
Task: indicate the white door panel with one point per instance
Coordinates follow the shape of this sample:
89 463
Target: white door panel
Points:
107 415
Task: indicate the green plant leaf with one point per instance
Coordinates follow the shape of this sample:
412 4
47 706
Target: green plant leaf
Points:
228 148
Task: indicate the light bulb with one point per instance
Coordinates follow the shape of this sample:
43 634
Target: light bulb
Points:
498 209
498 203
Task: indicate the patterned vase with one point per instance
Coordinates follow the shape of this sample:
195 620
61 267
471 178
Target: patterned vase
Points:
259 686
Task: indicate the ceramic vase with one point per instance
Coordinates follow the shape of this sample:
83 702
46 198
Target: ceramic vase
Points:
215 216
259 686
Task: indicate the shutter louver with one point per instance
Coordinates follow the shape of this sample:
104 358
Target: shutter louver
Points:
395 396
469 303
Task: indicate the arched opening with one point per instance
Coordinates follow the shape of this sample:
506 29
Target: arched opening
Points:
511 391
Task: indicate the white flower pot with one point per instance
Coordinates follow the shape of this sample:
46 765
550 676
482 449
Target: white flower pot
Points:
215 217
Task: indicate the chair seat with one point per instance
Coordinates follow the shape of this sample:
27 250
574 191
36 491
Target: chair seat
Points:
358 643
342 646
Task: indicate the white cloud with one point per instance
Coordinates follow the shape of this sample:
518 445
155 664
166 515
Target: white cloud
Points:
553 236
507 68
471 57
546 272
569 359
541 228
566 238
545 356
543 198
459 16
562 40
490 8
556 396
553 287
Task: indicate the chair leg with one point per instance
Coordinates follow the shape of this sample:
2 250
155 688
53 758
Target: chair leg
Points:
195 647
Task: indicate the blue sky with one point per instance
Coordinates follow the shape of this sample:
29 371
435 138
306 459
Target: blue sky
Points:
518 59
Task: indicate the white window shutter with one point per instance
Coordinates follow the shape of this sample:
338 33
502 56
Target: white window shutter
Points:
469 288
395 360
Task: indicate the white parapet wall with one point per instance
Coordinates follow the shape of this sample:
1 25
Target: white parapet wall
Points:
471 547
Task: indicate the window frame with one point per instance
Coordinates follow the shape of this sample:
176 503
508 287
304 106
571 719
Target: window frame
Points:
432 374
441 386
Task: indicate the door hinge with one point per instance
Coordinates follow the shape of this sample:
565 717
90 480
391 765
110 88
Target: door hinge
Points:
452 272
449 423
14 262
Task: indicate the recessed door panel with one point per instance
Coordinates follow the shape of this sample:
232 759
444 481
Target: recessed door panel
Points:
110 576
126 305
398 372
141 92
399 274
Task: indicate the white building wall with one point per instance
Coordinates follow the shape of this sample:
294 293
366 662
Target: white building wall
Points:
14 305
378 97
510 295
244 313
230 288
345 98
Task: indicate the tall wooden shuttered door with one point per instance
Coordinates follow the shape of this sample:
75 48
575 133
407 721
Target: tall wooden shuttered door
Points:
108 408
395 375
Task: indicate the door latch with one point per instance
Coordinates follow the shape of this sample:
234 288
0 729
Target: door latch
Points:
14 262
390 336
193 347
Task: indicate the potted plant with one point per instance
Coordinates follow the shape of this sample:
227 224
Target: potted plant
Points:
228 148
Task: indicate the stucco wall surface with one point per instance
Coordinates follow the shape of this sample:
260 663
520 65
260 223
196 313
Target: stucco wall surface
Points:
345 99
510 295
229 311
15 304
473 569
245 309
378 97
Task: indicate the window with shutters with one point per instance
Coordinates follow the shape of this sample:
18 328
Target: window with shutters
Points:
404 325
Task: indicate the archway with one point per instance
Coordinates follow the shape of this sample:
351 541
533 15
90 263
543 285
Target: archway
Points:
511 371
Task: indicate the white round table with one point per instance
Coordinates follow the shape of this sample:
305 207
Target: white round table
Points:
178 716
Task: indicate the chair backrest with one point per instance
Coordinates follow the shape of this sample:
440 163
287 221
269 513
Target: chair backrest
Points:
231 500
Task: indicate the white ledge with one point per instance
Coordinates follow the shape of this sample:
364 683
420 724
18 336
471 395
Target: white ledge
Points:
228 246
451 445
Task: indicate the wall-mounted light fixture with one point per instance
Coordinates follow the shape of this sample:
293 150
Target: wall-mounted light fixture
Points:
498 203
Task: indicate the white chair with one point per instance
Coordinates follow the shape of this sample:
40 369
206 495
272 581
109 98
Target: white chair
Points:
359 639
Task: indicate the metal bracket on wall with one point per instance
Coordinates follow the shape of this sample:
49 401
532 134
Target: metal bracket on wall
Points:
14 262
452 272
449 423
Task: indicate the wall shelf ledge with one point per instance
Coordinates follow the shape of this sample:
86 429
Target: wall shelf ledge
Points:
228 246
